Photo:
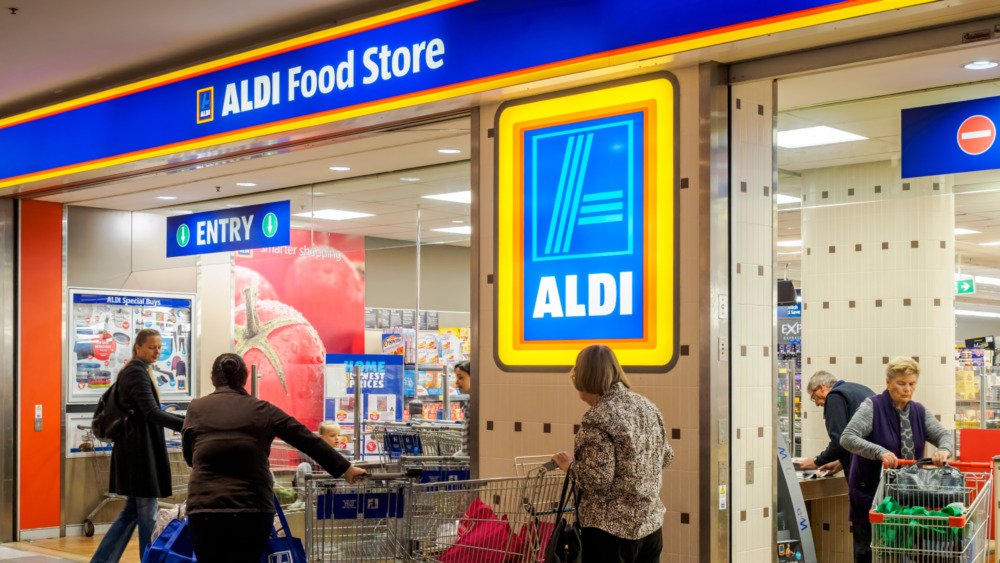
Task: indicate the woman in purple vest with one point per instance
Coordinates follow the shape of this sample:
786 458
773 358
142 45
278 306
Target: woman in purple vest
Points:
885 429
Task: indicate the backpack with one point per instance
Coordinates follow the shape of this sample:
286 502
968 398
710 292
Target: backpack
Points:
110 420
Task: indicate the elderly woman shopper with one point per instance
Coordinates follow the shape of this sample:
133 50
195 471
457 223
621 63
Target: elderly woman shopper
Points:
620 452
227 440
140 466
885 429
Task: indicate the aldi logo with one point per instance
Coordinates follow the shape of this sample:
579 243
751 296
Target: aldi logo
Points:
586 226
206 104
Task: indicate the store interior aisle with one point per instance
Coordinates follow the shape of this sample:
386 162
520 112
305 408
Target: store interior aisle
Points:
62 549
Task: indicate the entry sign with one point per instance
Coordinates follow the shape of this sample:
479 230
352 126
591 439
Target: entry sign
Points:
951 138
965 286
227 230
586 199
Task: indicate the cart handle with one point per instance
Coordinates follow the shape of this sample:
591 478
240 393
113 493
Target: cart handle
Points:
967 465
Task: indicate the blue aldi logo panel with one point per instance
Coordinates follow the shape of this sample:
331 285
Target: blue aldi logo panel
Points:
583 218
206 105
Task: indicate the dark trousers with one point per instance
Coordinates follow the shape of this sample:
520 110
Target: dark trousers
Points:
220 537
862 542
602 547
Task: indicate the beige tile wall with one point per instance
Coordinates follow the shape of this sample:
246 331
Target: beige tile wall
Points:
534 400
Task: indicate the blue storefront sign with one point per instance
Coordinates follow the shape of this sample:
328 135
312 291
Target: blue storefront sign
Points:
254 226
423 53
950 138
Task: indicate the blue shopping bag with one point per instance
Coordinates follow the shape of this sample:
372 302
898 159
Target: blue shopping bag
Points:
282 550
172 546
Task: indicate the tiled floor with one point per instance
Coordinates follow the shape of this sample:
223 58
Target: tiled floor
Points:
78 549
11 555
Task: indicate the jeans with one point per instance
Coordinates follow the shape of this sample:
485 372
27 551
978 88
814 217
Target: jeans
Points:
602 547
862 542
139 511
225 537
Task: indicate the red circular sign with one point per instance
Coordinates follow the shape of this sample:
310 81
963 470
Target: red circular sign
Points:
341 416
373 415
125 325
976 135
370 446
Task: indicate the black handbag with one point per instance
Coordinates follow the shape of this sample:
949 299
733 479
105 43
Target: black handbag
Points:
565 545
931 488
110 420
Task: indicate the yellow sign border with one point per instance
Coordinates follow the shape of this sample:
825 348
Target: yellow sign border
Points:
657 351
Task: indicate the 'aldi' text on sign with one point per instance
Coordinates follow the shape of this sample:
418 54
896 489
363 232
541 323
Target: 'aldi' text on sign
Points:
242 228
586 225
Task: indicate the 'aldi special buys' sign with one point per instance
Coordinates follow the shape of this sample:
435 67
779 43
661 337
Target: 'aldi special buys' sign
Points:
422 53
227 230
951 138
586 227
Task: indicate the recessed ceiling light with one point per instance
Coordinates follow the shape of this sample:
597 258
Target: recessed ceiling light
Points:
986 280
340 168
814 137
966 313
318 193
788 253
333 214
449 151
454 197
792 243
960 231
980 65
166 197
233 205
246 184
459 222
410 179
183 212
466 230
783 199
994 243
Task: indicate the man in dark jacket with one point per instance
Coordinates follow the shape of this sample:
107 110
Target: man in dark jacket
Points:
840 400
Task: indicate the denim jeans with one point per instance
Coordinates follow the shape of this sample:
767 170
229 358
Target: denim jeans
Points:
139 511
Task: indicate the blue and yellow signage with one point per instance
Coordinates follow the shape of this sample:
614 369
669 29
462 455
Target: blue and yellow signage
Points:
422 53
586 228
254 226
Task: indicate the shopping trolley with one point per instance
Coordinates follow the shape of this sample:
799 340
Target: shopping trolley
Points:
937 524
364 522
100 460
486 520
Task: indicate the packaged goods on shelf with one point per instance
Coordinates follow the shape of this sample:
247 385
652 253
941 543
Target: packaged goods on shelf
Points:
428 349
400 342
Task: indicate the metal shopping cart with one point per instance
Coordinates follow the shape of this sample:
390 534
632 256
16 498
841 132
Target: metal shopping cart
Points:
365 522
486 520
940 524
100 459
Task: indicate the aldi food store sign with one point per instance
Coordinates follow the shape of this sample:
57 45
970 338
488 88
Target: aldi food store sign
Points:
586 228
228 230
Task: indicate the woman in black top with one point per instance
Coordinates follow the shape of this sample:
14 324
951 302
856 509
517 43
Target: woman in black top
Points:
140 467
227 441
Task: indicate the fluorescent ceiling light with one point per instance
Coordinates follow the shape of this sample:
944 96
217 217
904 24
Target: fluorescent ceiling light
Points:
466 230
960 231
814 137
166 197
449 151
967 313
994 243
783 199
183 212
246 184
454 197
980 65
340 168
334 214
459 222
789 243
410 179
319 193
986 280
788 253
233 205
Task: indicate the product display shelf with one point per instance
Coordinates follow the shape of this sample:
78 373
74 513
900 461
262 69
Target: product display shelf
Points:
974 408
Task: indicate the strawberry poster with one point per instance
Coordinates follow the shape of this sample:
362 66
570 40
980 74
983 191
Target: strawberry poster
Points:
103 324
294 305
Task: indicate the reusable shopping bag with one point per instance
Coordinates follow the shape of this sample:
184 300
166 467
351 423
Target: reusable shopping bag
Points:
285 549
935 487
529 545
565 544
172 546
482 537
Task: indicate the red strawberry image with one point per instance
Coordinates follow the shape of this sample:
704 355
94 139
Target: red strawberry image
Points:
289 354
247 277
328 289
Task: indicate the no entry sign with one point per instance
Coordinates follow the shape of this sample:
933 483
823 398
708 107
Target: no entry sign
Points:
950 138
976 135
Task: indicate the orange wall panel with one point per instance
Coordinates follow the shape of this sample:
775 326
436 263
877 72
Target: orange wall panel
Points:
40 374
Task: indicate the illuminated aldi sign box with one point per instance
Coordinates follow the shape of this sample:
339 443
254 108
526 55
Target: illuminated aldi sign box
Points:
239 228
422 53
586 245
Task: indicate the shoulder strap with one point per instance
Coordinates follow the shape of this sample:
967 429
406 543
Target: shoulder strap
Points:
562 497
281 517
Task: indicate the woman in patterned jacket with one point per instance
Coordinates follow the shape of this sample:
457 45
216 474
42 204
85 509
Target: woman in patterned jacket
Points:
617 466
